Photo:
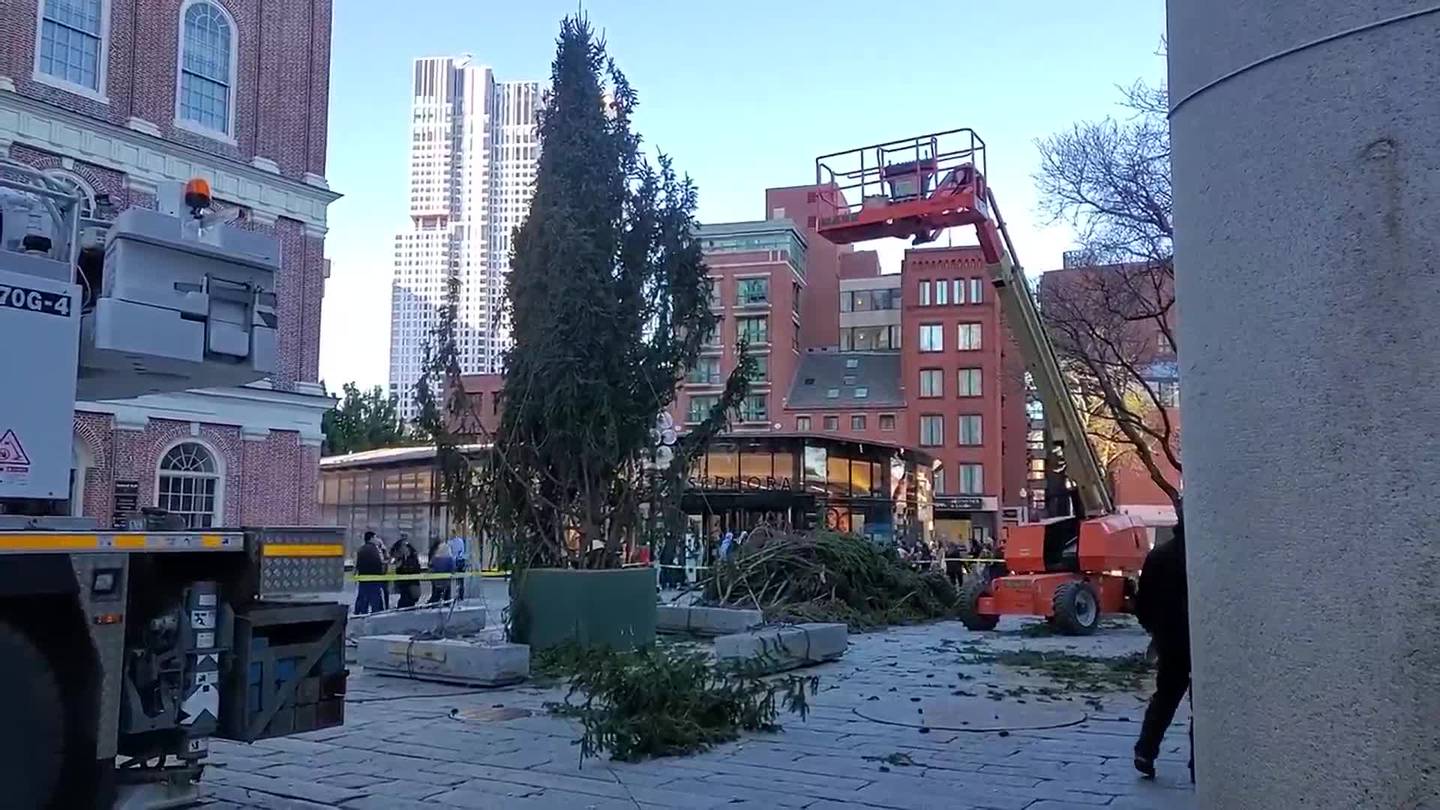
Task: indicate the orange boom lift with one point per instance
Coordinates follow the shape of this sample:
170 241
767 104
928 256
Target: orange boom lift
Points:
1073 569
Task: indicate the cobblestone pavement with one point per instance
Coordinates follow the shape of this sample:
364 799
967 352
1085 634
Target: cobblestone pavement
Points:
409 745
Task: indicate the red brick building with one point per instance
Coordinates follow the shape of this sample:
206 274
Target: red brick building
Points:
819 321
965 384
759 272
123 99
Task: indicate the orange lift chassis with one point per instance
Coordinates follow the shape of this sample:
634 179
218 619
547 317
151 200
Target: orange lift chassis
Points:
1073 569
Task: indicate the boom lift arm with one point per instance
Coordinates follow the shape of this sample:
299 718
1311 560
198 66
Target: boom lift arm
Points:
917 187
1013 289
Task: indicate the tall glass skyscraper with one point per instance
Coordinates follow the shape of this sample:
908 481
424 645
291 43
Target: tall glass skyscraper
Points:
473 153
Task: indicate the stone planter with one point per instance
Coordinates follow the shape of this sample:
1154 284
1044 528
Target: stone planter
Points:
613 608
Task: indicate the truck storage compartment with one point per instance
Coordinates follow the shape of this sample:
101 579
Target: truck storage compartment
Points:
287 672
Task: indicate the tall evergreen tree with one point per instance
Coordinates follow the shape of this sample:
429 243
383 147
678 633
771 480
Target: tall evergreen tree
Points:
608 300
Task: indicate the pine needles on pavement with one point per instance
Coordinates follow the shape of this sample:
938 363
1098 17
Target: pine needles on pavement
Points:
663 701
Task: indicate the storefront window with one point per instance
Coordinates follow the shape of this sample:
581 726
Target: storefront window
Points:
839 476
784 461
860 478
755 463
723 462
815 469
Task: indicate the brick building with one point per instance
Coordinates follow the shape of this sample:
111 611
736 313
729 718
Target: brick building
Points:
122 98
966 388
819 321
759 272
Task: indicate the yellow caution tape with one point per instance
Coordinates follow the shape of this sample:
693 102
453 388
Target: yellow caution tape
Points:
423 577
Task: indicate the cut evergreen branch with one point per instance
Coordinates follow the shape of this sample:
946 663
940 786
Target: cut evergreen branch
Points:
670 701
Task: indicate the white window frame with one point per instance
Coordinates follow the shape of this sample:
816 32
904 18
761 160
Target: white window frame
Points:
924 293
936 346
959 286
973 441
979 488
81 184
939 439
746 413
977 290
942 293
690 407
97 93
218 517
193 126
764 320
931 374
961 328
81 462
964 374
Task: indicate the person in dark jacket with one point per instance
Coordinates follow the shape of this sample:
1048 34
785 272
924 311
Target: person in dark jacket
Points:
1162 607
369 561
407 561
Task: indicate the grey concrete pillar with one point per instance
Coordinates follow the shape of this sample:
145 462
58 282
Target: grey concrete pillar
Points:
1307 210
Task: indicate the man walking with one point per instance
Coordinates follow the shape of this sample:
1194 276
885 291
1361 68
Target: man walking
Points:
369 562
1163 609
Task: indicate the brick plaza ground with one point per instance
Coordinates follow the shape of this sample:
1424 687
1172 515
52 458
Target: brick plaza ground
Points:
409 745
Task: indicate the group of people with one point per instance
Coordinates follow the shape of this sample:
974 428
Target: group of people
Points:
373 559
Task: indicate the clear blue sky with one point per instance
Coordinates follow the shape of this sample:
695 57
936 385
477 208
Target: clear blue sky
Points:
743 94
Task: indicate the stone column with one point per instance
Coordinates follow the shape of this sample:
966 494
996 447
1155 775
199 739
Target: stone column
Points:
1307 211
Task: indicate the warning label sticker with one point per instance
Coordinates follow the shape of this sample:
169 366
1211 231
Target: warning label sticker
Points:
12 454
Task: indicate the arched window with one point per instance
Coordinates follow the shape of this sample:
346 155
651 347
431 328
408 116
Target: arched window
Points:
189 484
78 186
81 462
207 67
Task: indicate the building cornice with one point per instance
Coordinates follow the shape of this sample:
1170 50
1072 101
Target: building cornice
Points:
256 410
150 160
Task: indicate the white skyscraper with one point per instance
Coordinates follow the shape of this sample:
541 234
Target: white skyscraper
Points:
473 153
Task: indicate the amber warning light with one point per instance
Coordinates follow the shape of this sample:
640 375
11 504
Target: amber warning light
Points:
197 195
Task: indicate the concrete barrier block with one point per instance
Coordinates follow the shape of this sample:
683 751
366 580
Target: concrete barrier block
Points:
462 661
706 621
462 621
782 648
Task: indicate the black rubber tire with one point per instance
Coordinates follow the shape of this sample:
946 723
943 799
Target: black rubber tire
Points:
970 592
32 734
1070 611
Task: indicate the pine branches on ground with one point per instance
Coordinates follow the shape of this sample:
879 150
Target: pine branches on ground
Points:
826 576
669 701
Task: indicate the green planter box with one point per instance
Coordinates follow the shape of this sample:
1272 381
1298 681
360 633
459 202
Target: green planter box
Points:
613 608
